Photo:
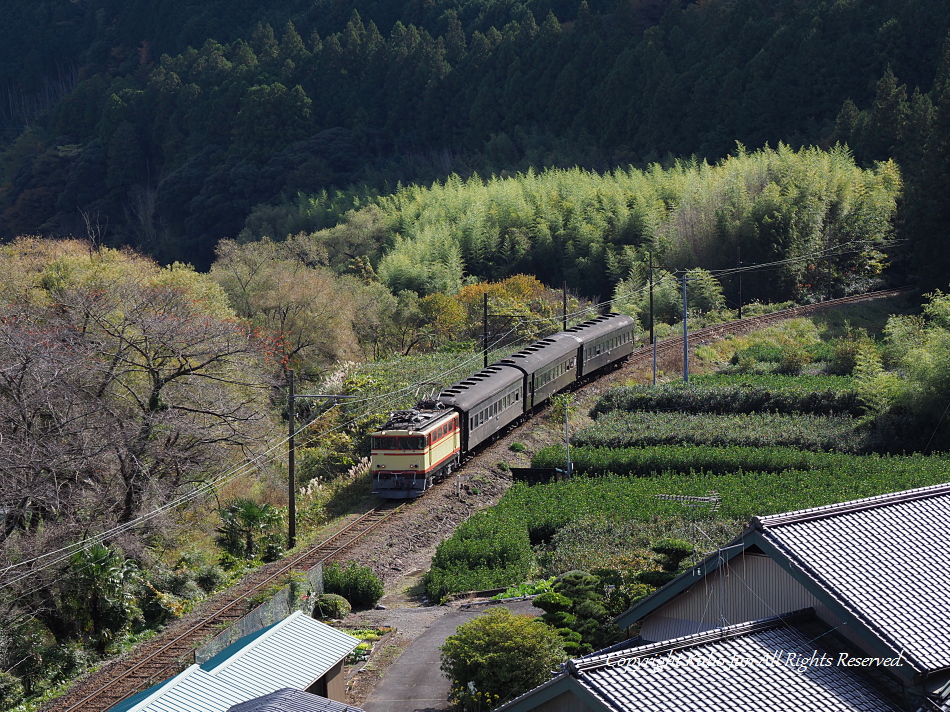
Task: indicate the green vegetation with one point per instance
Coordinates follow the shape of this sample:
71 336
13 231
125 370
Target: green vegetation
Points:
331 605
504 533
498 656
251 530
646 461
531 588
574 608
807 432
775 395
357 583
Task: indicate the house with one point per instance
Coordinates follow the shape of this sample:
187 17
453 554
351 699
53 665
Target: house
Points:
875 572
297 652
774 665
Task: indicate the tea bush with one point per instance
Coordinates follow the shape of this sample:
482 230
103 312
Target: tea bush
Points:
646 461
807 432
748 394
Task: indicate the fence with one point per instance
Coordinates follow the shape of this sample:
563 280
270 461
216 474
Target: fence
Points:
293 597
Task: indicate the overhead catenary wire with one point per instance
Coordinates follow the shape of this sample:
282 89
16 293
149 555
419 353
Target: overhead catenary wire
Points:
266 456
64 553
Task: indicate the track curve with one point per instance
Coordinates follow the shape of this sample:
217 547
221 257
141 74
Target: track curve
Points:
173 650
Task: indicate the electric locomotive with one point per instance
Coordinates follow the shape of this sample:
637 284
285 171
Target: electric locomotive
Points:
420 446
415 448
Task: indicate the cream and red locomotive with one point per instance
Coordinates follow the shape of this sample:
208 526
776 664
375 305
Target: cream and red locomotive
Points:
420 446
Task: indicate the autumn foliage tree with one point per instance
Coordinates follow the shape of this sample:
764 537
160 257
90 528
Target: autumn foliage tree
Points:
123 386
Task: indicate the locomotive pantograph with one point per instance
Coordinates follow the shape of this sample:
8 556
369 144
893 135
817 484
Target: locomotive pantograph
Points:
420 446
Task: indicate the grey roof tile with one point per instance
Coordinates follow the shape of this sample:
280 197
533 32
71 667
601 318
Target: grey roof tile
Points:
886 559
752 671
290 700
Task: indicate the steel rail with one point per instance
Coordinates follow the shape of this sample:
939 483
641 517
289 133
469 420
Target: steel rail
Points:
312 554
325 550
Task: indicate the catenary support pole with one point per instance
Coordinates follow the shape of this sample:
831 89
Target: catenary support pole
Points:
685 336
291 466
485 329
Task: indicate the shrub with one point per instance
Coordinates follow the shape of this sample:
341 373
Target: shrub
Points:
498 656
517 447
210 577
794 359
357 583
11 689
807 432
484 552
330 605
672 552
576 604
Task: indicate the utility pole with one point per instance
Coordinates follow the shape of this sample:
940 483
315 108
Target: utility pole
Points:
739 264
567 432
564 318
292 453
652 333
685 335
291 466
485 329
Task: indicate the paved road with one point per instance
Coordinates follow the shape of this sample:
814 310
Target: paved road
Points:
414 682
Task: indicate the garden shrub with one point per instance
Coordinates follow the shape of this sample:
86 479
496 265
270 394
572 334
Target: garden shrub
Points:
330 605
498 656
358 584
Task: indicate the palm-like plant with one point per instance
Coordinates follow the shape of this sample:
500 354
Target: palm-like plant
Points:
245 524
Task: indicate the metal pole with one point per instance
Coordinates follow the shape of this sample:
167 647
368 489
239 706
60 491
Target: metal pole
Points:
291 468
567 433
485 328
564 318
652 333
685 336
739 260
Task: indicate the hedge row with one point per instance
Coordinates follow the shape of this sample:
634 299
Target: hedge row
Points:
742 397
647 461
622 429
482 554
501 535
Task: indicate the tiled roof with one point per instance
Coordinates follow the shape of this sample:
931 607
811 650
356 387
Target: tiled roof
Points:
699 672
885 559
290 700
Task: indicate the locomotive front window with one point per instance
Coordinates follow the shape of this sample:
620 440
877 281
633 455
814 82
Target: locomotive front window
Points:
415 442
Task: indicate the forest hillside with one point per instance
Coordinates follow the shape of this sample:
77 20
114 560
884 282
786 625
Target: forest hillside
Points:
170 126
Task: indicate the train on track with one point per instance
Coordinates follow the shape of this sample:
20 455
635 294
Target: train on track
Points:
418 447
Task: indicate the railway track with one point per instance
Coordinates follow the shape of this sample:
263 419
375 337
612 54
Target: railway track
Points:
670 345
169 653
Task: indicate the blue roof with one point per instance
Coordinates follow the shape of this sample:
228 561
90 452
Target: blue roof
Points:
292 653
